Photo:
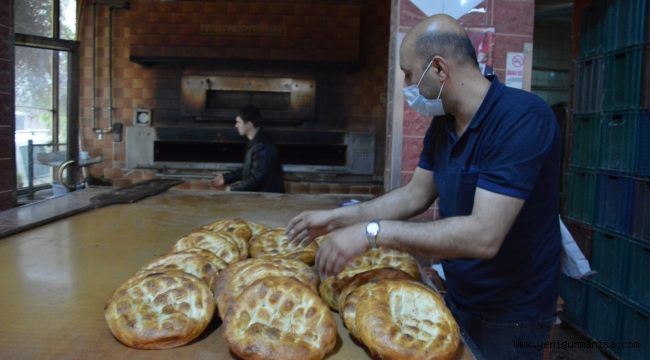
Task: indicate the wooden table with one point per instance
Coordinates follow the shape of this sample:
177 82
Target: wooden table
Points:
55 279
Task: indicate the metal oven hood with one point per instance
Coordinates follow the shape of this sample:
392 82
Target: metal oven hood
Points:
217 98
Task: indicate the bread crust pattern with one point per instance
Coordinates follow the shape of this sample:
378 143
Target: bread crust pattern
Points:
398 319
198 262
235 227
218 262
280 318
238 276
275 244
270 303
331 287
159 310
219 244
371 276
257 228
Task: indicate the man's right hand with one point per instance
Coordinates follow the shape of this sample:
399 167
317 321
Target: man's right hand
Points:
308 225
218 180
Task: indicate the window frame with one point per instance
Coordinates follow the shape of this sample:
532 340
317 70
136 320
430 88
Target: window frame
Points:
57 45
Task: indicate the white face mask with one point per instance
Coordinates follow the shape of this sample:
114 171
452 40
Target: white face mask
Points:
422 105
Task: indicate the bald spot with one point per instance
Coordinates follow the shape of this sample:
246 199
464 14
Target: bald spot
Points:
424 32
440 23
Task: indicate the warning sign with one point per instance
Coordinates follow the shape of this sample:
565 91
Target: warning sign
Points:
515 70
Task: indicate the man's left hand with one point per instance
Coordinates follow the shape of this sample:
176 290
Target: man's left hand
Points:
340 246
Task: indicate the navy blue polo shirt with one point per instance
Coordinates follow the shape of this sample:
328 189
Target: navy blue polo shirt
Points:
511 147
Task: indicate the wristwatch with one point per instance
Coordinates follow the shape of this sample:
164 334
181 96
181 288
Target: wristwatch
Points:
372 231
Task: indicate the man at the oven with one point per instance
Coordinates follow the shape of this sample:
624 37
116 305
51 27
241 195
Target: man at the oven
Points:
262 170
492 158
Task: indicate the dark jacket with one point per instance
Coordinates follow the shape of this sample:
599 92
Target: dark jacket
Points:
262 170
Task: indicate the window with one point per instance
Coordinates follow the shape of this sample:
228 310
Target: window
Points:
45 34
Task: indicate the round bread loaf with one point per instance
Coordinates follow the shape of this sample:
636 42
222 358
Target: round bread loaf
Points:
370 276
236 227
159 310
280 318
349 305
198 262
275 244
400 319
331 287
219 244
242 244
257 228
238 276
220 263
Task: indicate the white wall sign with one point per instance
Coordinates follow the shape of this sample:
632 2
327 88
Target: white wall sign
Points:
515 70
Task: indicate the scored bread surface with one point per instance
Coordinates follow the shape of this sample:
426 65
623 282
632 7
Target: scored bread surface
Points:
371 276
221 245
331 287
257 228
218 262
349 306
200 263
159 310
235 230
236 227
275 244
280 318
242 244
398 319
238 276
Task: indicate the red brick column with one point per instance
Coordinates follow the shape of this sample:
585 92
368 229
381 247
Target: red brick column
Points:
7 123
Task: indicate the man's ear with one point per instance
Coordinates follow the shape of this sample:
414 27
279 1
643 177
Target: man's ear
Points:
440 67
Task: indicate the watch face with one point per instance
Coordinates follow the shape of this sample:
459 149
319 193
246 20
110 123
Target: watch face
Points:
372 228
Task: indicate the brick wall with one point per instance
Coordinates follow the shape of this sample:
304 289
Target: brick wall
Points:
296 31
7 148
354 97
303 187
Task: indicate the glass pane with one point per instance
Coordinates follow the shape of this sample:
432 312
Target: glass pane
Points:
34 78
29 126
68 19
63 95
33 110
33 17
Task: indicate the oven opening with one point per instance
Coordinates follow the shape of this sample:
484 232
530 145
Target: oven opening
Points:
230 152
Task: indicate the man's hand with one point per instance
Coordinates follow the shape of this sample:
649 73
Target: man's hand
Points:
308 225
340 246
218 180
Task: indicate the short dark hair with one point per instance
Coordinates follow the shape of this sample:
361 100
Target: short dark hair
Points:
251 113
448 45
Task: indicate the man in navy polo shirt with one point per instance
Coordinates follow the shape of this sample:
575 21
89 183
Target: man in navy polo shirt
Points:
492 157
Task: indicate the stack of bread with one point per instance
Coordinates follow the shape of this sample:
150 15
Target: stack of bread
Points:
170 301
270 303
385 307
